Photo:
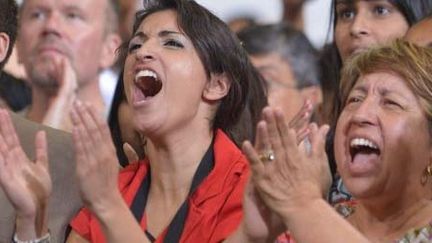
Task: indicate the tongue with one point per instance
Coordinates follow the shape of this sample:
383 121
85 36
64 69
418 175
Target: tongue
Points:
149 86
363 162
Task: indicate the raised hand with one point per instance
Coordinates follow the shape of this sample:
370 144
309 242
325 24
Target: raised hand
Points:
61 103
27 183
96 159
300 122
286 175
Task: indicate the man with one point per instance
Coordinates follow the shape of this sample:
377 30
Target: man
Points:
288 63
64 45
65 197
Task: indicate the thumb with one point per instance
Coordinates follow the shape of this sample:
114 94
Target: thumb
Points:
130 152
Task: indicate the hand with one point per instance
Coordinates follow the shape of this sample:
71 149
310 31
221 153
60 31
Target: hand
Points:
96 160
259 223
27 183
296 176
61 103
300 122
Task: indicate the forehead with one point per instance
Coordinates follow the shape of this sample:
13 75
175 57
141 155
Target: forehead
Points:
382 81
92 6
272 58
357 1
160 20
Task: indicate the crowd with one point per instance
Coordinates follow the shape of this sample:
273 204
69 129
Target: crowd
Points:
215 134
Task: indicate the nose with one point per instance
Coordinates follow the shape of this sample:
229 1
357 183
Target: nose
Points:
360 26
52 25
145 53
365 113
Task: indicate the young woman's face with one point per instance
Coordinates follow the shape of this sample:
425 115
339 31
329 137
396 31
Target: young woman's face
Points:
164 78
361 24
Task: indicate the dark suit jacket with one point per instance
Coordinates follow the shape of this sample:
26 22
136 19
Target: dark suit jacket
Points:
65 201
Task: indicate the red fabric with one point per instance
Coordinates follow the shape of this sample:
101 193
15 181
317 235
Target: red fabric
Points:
215 208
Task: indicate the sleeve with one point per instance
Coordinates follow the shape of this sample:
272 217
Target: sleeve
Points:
81 224
230 216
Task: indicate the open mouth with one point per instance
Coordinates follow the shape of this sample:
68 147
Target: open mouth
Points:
363 146
148 82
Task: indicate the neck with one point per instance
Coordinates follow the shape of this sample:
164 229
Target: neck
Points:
175 159
391 219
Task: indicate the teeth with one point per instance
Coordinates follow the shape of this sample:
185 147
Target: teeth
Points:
145 73
363 142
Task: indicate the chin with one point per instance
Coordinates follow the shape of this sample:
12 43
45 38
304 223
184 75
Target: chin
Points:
362 188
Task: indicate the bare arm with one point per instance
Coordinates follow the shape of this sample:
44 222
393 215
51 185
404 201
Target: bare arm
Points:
97 171
293 184
27 183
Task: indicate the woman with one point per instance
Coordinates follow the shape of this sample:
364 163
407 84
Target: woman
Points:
383 152
189 84
358 25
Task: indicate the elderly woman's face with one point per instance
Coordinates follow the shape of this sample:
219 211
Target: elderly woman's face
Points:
382 142
164 77
362 24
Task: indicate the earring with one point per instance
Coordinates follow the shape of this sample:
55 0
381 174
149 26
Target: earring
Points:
426 174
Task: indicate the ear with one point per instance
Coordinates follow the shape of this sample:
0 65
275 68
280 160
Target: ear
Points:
4 45
313 93
217 87
111 43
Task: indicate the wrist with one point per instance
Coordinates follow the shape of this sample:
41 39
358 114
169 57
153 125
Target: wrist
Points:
106 209
26 227
44 239
311 208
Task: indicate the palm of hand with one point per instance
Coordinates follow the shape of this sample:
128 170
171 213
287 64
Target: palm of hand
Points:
27 184
97 165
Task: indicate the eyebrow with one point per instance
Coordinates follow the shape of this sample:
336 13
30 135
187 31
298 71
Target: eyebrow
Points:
163 33
353 1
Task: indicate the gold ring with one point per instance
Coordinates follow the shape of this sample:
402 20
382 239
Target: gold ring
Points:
267 155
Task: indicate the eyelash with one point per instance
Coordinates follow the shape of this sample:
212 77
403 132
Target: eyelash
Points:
341 14
173 43
132 47
353 100
379 8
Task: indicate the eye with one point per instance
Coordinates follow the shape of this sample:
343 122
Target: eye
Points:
354 99
37 14
173 43
73 15
381 10
133 46
345 13
391 103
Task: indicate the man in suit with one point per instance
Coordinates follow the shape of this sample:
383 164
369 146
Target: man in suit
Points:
65 200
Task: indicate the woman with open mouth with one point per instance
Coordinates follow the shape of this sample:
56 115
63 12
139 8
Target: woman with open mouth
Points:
383 151
190 86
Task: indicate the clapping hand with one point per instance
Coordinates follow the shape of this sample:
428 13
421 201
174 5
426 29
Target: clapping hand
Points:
27 183
285 175
96 159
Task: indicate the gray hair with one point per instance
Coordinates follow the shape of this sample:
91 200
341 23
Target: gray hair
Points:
293 46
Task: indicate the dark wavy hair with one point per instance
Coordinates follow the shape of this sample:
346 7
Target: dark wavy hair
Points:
8 24
220 52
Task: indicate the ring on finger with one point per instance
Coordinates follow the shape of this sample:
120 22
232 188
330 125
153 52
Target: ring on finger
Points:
267 155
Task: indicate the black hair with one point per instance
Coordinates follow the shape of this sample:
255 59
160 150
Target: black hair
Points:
291 44
8 24
221 53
